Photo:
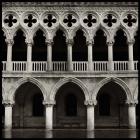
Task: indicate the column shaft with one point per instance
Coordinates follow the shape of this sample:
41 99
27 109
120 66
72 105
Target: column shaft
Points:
29 57
49 117
8 117
9 55
110 56
130 50
69 57
90 117
90 57
132 116
49 56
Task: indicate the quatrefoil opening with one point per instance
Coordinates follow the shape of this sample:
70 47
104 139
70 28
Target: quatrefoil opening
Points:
89 20
69 20
110 20
30 20
10 20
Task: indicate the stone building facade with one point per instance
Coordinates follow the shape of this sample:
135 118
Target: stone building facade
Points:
73 93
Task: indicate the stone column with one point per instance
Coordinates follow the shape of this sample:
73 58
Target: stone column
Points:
69 55
10 43
90 64
8 116
29 56
110 56
130 55
90 115
49 116
132 115
49 54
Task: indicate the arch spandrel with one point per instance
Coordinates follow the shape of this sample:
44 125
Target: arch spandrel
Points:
22 81
63 81
118 81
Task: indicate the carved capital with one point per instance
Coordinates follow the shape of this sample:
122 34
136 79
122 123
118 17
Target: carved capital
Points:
132 103
131 42
110 43
90 102
49 42
70 42
9 42
29 42
90 42
8 103
48 103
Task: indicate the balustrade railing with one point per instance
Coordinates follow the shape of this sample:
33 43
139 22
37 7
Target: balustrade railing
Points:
135 65
39 66
19 66
59 66
80 66
100 66
4 66
120 65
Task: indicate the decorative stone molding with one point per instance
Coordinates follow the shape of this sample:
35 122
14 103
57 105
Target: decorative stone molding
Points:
113 79
49 103
8 102
63 81
9 42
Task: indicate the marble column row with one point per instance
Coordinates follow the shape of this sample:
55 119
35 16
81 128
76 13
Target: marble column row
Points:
90 116
69 55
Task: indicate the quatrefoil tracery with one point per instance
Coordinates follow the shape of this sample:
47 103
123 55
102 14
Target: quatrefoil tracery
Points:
129 20
30 20
10 20
110 20
69 20
50 20
89 20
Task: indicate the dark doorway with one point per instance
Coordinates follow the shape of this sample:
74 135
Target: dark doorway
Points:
19 49
104 104
79 48
71 105
38 107
4 47
100 49
39 49
120 47
59 49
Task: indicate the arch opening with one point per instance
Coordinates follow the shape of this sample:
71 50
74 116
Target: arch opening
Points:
19 48
4 46
100 49
28 111
59 48
69 111
39 49
120 47
79 48
111 109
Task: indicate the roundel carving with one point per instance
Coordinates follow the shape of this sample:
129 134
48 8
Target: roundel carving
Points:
69 20
110 20
10 20
130 20
30 20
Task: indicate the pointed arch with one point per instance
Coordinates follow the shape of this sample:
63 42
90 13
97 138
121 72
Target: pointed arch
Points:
21 82
118 81
64 81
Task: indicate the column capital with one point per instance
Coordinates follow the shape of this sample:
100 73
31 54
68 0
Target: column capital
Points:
132 103
29 42
90 42
9 42
69 42
110 43
7 103
49 41
90 102
131 42
49 103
